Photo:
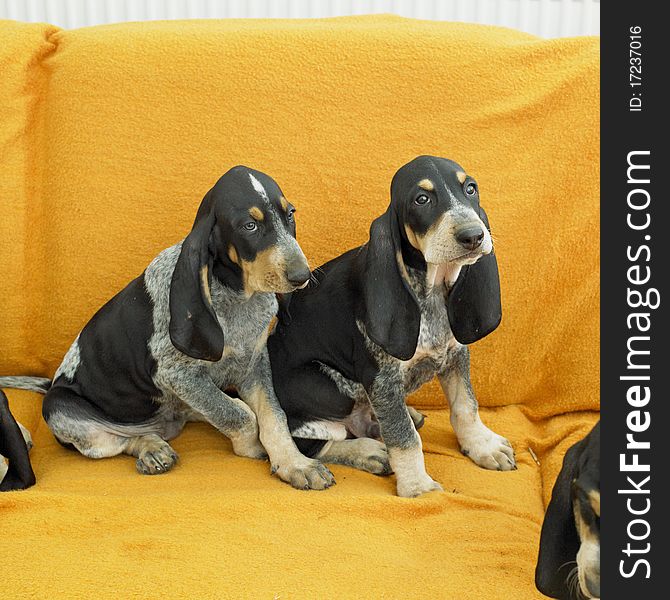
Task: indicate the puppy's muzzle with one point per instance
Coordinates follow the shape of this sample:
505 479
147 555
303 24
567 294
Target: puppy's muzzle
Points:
297 272
470 237
296 268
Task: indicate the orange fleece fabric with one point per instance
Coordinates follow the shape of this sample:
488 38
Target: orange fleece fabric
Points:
111 136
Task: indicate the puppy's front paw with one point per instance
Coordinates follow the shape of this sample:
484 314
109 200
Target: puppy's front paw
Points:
416 486
305 474
489 450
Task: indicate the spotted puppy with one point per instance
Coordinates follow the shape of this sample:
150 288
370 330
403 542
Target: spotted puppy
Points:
383 319
173 345
568 565
16 473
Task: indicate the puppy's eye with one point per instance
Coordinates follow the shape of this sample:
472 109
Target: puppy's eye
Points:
471 189
421 200
250 226
290 216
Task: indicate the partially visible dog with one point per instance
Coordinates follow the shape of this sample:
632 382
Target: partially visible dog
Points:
177 341
383 319
16 473
568 565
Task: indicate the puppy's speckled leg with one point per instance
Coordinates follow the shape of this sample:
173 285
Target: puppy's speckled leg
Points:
230 416
478 442
287 461
400 435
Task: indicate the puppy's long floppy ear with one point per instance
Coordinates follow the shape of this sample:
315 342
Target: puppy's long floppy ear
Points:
391 311
19 473
474 305
194 328
559 540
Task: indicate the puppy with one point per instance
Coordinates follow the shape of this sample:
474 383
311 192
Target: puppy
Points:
175 344
568 565
383 319
15 443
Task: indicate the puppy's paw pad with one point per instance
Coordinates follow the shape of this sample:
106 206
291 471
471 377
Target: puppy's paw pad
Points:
309 475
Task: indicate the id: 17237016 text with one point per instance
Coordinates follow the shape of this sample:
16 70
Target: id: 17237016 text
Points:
635 68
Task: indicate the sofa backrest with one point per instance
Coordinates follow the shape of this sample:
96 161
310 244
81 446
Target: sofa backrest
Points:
113 134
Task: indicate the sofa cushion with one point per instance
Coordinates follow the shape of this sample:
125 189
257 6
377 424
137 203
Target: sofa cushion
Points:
23 48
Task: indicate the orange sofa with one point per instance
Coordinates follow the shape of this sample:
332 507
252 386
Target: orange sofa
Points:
110 137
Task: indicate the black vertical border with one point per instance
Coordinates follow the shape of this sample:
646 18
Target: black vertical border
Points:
623 131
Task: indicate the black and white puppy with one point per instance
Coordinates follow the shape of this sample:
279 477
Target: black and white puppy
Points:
177 341
568 565
16 472
383 319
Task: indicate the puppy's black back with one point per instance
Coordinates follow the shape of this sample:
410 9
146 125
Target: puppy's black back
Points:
115 370
304 338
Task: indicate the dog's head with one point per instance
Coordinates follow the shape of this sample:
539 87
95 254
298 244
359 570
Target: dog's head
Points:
438 204
568 565
244 235
434 223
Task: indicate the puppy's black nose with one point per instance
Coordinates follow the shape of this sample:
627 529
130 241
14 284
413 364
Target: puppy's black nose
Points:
297 275
470 237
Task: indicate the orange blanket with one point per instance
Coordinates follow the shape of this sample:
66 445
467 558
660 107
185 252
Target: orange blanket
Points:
111 135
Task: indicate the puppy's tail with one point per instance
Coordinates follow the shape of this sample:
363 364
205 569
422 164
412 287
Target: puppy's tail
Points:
33 384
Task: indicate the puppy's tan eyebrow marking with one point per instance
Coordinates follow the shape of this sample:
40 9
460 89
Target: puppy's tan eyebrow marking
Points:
284 203
461 176
256 213
427 184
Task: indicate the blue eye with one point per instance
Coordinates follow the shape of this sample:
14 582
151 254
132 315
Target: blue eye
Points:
471 189
421 200
291 214
250 226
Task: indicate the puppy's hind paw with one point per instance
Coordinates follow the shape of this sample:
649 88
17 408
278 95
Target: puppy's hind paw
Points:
247 443
364 454
156 459
418 418
250 447
305 474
